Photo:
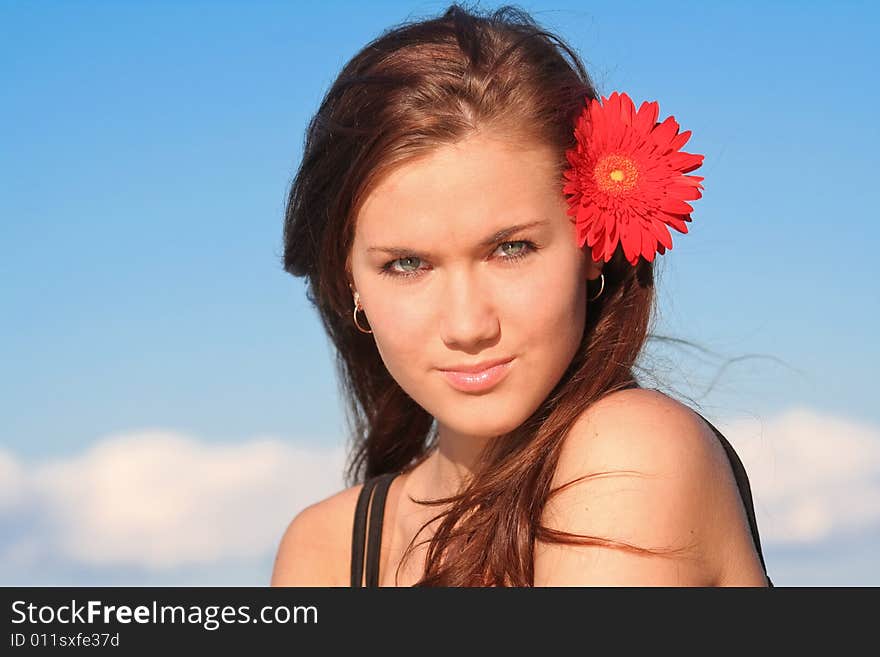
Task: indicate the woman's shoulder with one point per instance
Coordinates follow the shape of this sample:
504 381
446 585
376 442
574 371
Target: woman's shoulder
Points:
649 472
642 427
315 547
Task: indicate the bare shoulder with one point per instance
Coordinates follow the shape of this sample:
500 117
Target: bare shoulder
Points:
315 547
648 473
646 430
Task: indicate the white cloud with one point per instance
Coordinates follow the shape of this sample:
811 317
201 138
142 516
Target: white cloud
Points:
11 482
161 500
813 476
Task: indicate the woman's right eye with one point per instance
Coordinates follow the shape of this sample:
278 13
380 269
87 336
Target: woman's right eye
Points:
389 270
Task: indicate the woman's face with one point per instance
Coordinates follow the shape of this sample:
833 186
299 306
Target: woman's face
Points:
439 290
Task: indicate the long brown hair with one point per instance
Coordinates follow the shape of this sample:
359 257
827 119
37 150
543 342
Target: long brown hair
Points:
417 86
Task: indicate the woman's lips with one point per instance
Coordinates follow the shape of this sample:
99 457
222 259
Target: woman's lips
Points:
477 381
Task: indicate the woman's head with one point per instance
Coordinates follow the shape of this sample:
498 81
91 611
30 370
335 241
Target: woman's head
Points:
440 290
435 136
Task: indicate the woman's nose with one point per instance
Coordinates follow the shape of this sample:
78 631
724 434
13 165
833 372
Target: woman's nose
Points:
467 314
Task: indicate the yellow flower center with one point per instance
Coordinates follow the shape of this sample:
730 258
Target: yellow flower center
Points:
615 174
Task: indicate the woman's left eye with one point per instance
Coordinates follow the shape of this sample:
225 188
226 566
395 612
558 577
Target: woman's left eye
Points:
526 247
518 253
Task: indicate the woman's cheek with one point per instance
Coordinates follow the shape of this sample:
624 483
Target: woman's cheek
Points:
530 294
399 332
556 299
542 293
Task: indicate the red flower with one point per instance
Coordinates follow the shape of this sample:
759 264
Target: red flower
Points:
626 179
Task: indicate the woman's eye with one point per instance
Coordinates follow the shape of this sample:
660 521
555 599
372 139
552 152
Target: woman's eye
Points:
405 263
522 248
516 252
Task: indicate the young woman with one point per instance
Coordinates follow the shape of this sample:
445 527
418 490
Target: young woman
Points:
478 230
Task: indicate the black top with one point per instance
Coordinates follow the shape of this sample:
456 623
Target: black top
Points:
378 487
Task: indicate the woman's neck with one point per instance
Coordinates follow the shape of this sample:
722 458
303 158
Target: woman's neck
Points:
451 464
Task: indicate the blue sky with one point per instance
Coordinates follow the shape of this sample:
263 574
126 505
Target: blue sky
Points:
145 157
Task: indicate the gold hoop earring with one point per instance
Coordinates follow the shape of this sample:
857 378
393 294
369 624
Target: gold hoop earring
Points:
357 307
601 287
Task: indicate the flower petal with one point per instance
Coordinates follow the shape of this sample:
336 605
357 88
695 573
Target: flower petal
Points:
685 162
649 245
675 206
647 117
631 241
664 133
684 192
680 140
676 222
659 230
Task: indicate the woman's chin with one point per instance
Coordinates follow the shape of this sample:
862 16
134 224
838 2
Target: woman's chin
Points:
478 426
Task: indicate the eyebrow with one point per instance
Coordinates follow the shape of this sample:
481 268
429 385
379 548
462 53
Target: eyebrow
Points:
489 241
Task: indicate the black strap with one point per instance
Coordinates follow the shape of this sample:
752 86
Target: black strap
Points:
380 485
742 481
374 542
358 536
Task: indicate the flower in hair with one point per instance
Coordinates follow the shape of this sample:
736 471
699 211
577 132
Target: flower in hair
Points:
626 179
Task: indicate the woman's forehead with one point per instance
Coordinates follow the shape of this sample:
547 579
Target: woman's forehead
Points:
475 183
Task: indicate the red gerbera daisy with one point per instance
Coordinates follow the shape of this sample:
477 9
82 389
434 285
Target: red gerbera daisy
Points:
627 179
